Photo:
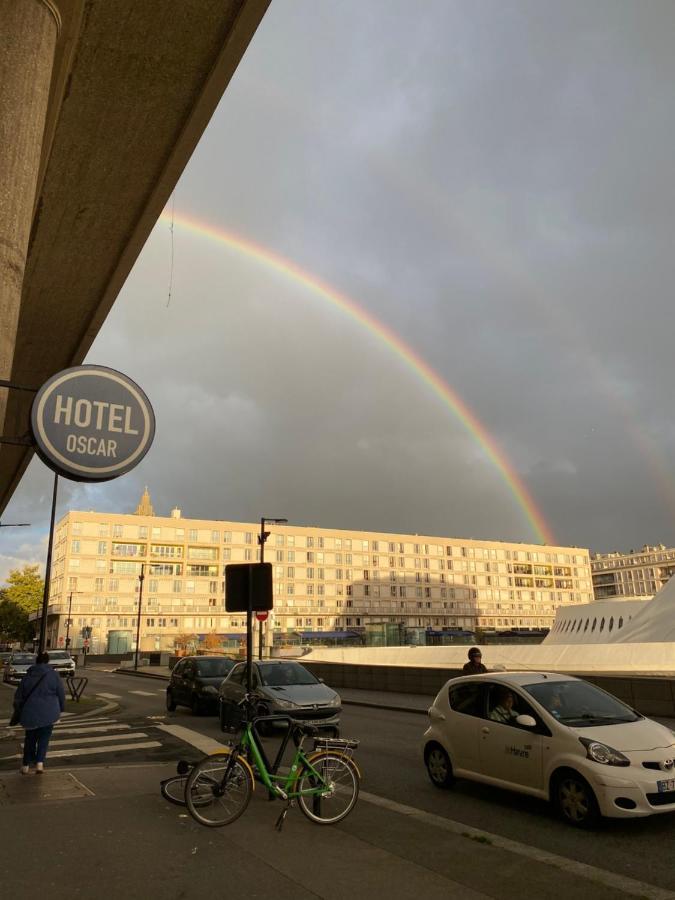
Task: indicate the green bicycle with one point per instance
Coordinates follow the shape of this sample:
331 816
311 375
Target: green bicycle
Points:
324 781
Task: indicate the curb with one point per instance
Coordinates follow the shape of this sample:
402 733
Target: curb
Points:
108 707
345 702
389 706
136 674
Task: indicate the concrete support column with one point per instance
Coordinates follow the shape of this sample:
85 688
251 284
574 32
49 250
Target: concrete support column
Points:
28 33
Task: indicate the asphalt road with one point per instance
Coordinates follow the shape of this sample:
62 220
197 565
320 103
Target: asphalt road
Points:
390 759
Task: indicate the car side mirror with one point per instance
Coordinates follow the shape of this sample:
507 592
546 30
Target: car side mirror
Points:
526 721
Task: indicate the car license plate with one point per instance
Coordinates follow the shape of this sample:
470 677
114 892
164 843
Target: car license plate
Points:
663 786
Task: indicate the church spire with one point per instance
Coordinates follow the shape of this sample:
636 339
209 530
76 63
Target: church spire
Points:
145 507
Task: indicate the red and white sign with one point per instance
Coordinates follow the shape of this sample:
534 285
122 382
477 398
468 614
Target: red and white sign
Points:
261 616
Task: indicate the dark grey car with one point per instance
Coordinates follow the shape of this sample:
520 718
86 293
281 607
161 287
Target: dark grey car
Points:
195 681
284 687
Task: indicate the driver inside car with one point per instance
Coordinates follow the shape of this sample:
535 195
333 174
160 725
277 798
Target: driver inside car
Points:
503 711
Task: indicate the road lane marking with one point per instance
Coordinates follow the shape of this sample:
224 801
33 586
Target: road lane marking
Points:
109 696
142 693
584 870
83 723
86 751
99 738
92 730
194 738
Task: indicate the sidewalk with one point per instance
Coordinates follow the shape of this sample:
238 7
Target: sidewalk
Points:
120 829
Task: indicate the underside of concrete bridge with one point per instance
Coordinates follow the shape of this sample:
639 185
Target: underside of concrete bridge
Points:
129 91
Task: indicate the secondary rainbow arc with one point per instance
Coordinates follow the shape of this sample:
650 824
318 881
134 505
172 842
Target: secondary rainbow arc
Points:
421 369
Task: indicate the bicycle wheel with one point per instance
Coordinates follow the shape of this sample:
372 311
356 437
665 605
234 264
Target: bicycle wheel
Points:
340 795
173 789
208 800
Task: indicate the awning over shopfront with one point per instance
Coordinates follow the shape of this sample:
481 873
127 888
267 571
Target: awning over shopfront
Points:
329 635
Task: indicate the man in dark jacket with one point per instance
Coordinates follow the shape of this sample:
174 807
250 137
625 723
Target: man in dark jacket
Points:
41 697
474 665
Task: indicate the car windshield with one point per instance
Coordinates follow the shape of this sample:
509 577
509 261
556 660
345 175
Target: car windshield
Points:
23 659
212 668
58 654
579 704
285 674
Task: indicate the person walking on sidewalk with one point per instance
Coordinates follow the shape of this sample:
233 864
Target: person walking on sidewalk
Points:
39 701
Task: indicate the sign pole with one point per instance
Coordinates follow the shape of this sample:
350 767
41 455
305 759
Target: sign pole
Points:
141 578
249 633
45 595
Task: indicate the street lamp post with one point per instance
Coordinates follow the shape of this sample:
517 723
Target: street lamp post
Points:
141 579
68 620
262 537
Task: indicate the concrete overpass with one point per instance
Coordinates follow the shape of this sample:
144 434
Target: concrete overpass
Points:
102 103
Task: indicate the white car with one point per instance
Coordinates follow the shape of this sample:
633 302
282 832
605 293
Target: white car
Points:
555 737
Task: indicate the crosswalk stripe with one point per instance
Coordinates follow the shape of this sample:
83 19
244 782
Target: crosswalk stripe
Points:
99 738
142 693
86 751
93 729
110 696
79 723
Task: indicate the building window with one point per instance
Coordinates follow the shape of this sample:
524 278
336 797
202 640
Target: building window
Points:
75 547
72 583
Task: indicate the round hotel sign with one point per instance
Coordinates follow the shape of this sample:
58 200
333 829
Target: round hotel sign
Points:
91 423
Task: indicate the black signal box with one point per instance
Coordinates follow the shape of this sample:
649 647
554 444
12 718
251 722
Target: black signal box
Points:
244 579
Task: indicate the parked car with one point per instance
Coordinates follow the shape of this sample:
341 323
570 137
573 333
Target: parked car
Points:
62 661
16 667
195 681
287 688
552 736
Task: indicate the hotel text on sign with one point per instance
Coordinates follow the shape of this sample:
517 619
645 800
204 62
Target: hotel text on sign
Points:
91 423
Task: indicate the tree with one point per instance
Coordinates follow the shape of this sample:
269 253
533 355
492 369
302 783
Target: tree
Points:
14 624
25 587
185 644
212 642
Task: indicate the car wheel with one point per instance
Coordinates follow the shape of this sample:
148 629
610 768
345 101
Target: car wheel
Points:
170 702
439 767
575 800
196 705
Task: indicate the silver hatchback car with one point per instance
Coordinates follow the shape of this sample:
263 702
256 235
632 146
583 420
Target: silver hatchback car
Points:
284 687
16 667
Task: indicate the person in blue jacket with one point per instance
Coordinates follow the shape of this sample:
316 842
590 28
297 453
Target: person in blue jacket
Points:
42 700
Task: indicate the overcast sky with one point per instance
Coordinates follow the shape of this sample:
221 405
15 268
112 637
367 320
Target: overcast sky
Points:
493 182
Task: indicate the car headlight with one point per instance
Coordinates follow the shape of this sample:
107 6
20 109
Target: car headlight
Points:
601 753
284 704
336 701
12 671
209 689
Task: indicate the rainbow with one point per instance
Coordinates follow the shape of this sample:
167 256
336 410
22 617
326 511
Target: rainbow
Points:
448 396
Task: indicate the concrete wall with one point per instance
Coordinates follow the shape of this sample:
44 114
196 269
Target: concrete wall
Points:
652 696
631 659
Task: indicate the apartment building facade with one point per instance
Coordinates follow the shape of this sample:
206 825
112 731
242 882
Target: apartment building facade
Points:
326 581
639 573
